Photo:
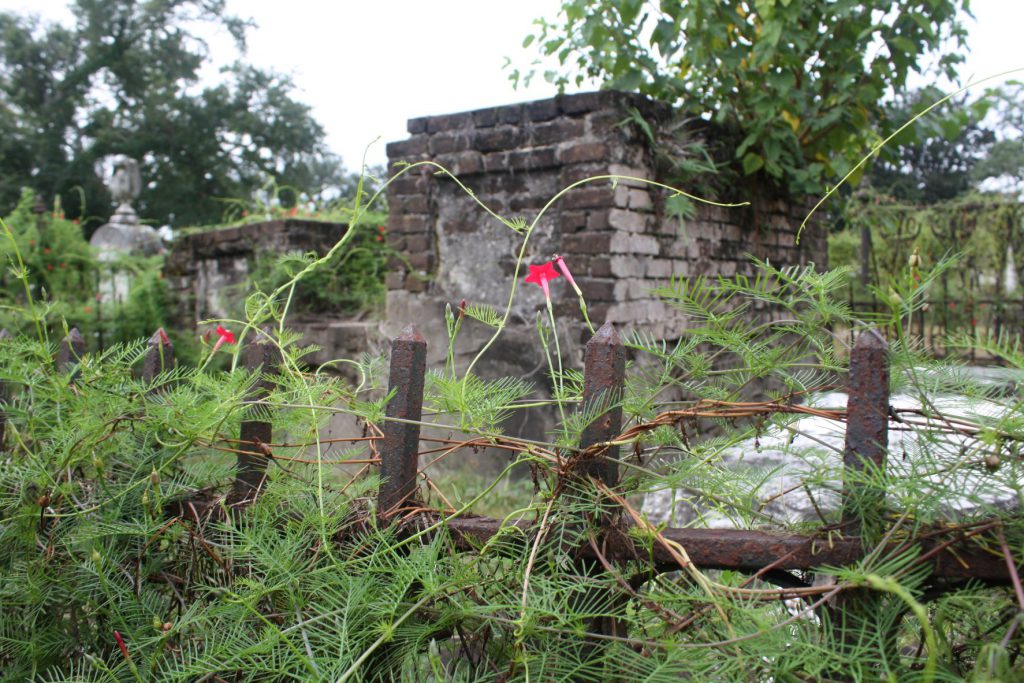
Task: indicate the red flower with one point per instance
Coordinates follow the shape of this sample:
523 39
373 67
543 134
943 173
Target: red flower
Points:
381 229
46 250
87 309
49 266
223 337
542 275
120 644
294 211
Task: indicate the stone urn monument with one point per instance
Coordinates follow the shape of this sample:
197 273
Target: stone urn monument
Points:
124 234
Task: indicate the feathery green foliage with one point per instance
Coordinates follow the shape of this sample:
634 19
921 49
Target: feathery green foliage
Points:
306 583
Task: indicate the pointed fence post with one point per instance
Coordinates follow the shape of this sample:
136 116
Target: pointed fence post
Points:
260 355
604 377
71 350
867 432
5 396
399 450
159 356
853 613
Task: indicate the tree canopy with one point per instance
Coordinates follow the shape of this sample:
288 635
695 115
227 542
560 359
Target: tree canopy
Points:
125 79
937 158
797 83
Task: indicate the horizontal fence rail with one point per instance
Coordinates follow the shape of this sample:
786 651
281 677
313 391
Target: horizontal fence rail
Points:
951 555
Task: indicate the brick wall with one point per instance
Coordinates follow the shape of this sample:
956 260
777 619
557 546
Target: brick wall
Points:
209 275
616 238
209 272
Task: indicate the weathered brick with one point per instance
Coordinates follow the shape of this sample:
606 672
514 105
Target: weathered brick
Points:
630 243
680 268
587 197
447 143
414 146
658 268
577 172
423 260
579 152
417 242
631 289
605 122
597 220
408 184
439 124
626 266
527 202
586 243
417 126
415 203
572 221
597 289
496 139
621 196
468 163
511 114
395 279
640 200
583 102
560 130
630 172
601 266
415 283
541 110
630 221
409 222
532 159
486 118
495 162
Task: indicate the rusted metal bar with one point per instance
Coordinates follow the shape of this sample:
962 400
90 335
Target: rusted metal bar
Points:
260 355
867 433
400 446
5 396
159 356
751 551
603 380
71 350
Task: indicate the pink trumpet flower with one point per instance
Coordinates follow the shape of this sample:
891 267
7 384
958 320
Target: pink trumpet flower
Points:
560 262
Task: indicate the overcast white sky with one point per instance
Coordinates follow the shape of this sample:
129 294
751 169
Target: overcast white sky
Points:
367 67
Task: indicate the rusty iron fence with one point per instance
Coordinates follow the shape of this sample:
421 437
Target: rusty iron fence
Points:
952 555
944 318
